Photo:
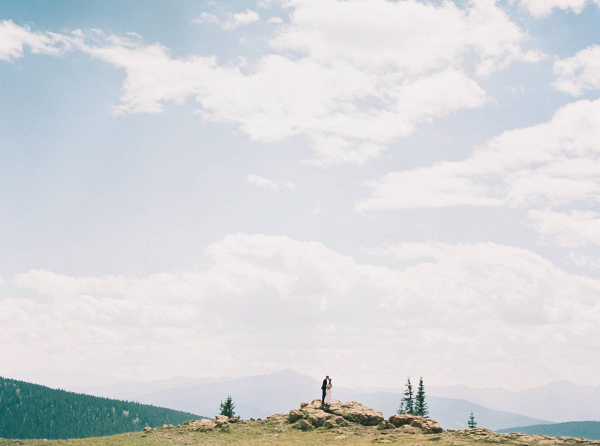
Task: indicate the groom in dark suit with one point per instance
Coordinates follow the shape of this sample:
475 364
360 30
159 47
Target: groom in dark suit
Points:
324 389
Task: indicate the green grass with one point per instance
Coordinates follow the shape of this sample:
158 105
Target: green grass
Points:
281 433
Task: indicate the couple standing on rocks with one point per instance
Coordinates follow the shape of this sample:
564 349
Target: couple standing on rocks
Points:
326 388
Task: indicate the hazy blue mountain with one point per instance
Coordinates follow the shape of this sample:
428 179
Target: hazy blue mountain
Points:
586 429
259 396
131 390
557 401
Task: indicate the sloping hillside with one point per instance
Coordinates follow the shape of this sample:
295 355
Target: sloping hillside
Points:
34 411
585 429
311 424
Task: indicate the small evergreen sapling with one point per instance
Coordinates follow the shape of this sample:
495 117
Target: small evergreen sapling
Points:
472 423
227 407
421 409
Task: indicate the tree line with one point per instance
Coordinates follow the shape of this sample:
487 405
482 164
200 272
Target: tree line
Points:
35 411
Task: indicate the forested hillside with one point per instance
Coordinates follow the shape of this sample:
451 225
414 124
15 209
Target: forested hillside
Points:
585 429
34 411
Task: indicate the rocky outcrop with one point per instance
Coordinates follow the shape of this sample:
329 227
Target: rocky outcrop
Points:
425 425
314 415
355 412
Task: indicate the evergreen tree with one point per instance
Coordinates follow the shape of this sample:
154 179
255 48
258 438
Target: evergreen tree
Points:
227 407
420 403
472 423
408 400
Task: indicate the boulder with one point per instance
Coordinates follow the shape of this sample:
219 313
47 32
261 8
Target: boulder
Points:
385 425
219 419
204 426
355 413
317 419
426 425
340 421
329 424
303 425
234 419
400 420
295 415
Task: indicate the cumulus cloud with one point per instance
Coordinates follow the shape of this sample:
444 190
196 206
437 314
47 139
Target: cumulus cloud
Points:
232 21
552 163
577 228
579 73
350 77
14 38
543 8
241 19
485 306
267 183
584 261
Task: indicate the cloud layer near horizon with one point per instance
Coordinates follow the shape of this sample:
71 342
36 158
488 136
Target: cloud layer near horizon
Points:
268 298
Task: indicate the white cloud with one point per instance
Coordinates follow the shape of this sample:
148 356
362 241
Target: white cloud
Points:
410 36
443 185
579 73
267 183
275 20
543 8
233 20
241 19
454 302
207 17
552 163
14 38
584 261
577 228
410 62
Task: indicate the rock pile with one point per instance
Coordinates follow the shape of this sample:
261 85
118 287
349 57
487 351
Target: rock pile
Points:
312 415
339 414
205 425
425 425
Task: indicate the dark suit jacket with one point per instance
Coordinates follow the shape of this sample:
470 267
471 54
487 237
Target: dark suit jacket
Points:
324 386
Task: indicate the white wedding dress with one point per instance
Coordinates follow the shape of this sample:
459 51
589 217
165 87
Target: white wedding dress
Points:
328 397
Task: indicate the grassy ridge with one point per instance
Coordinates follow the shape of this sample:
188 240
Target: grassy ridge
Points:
585 429
30 411
280 433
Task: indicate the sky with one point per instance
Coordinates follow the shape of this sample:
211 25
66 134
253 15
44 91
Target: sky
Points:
369 189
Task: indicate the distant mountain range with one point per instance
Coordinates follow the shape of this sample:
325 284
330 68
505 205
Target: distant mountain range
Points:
34 411
586 429
260 396
558 401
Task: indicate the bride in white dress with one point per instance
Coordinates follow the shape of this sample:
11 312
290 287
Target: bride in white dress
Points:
328 394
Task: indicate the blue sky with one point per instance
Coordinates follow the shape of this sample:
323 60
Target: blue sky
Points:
181 173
